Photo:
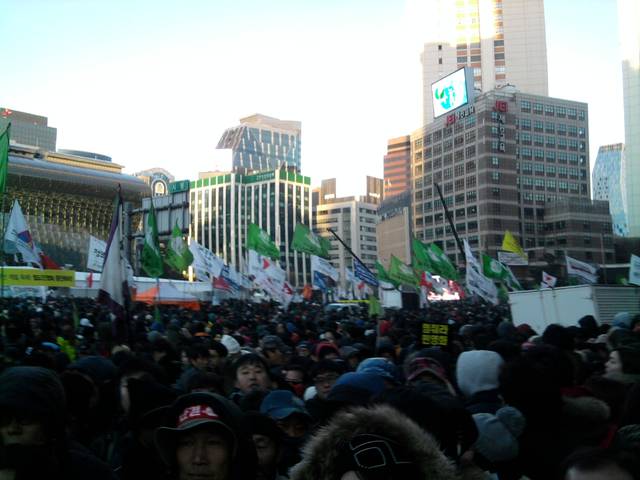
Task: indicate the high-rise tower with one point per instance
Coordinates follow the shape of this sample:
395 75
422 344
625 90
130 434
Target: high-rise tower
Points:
503 41
629 18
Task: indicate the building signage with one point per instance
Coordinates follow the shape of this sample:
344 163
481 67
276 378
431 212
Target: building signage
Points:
460 114
453 91
33 277
180 186
260 177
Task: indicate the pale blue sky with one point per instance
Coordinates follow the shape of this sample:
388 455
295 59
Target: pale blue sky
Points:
155 83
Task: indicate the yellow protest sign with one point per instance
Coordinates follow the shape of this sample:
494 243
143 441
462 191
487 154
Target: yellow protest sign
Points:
32 277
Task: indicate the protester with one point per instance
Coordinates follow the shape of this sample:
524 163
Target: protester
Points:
207 438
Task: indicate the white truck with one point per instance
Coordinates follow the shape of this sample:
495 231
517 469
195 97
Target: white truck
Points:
566 305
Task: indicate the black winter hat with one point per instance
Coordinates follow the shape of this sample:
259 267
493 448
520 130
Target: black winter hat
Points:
34 391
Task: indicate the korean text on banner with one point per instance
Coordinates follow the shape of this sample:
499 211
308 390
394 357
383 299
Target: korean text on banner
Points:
33 277
95 257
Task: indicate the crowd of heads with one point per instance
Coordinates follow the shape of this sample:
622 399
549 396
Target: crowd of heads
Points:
255 391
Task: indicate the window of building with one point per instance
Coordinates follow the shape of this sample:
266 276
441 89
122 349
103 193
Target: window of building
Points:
471 181
495 162
471 196
495 177
525 106
549 110
550 155
538 108
561 111
525 123
470 152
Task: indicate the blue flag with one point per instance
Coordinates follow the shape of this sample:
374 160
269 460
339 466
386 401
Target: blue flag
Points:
363 273
319 281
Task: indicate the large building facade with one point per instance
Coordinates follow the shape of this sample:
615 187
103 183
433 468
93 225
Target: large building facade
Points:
28 129
501 163
262 143
397 166
607 183
503 41
394 228
629 19
223 206
68 198
353 219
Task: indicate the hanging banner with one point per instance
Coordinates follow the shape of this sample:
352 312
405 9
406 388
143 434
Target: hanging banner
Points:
33 277
511 258
95 257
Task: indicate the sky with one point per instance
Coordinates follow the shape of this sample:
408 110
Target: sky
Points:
154 83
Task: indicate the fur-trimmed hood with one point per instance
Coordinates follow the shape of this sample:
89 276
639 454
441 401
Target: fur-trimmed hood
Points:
320 455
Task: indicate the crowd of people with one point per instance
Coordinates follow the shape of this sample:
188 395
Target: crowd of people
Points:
254 391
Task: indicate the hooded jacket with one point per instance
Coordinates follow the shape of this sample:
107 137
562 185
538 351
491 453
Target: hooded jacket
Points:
321 454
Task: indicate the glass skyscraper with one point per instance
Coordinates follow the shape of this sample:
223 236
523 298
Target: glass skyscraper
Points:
263 143
607 185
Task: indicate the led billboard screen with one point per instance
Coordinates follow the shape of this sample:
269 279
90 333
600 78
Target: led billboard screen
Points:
451 92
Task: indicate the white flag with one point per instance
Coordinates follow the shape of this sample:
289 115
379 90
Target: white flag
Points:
323 266
261 265
587 272
548 281
206 264
114 286
95 257
634 270
18 237
477 283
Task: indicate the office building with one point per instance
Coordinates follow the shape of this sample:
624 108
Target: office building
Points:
68 198
501 163
223 206
262 143
629 19
354 219
28 129
394 228
607 182
397 166
503 41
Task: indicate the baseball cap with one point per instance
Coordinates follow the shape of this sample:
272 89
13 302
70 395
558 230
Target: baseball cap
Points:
420 365
280 404
192 411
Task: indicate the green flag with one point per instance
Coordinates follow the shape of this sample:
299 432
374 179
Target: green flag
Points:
179 257
494 269
374 306
421 259
151 258
304 240
383 276
4 158
401 273
258 240
440 263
